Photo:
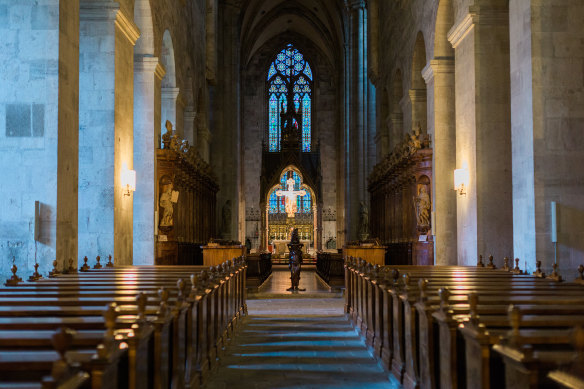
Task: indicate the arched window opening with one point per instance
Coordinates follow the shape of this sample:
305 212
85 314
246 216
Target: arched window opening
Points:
289 79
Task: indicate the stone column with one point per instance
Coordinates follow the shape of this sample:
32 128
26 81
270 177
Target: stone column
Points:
190 133
439 77
483 136
396 127
358 114
148 74
547 106
39 131
203 141
226 123
168 112
106 102
419 110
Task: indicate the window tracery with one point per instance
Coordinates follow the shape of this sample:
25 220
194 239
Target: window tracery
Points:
289 79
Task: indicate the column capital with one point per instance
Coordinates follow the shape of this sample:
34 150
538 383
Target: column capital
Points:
440 65
98 10
170 93
190 114
477 15
147 64
109 11
232 3
355 5
417 95
203 133
127 27
396 117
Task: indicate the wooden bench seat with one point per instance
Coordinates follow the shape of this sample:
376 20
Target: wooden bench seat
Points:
186 335
403 324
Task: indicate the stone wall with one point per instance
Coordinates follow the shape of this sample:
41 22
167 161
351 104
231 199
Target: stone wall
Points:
38 140
518 93
54 61
547 85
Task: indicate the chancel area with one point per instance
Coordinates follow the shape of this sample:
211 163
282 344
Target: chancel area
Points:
291 193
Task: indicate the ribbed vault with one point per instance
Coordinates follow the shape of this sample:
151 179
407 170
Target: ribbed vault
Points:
320 21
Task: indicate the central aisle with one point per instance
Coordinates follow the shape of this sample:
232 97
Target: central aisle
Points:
298 343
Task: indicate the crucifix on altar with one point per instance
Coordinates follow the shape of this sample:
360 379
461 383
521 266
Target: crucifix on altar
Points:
291 195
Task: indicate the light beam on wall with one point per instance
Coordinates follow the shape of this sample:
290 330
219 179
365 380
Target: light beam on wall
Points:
128 180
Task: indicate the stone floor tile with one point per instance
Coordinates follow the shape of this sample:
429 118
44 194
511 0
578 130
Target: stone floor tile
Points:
298 343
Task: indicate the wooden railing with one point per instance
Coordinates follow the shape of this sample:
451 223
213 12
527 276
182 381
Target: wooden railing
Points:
259 269
330 268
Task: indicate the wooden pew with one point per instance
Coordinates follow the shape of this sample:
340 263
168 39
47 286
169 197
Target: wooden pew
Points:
405 334
571 376
530 355
64 374
191 332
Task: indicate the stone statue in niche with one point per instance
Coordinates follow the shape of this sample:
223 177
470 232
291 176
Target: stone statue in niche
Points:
166 137
415 137
167 199
422 204
363 221
331 243
226 220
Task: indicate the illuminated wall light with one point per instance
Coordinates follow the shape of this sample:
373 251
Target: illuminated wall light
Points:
461 179
128 180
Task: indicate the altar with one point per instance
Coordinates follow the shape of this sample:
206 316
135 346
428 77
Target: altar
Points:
280 247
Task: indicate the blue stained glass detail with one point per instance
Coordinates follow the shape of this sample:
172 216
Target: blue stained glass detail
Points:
308 71
306 115
272 71
289 73
273 208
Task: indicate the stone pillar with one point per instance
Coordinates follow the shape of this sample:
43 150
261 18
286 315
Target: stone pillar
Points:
203 141
169 97
358 114
190 133
439 77
38 134
148 74
106 101
396 129
226 153
483 136
547 105
419 110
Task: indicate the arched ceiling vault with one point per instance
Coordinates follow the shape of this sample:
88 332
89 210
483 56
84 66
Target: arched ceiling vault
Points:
320 21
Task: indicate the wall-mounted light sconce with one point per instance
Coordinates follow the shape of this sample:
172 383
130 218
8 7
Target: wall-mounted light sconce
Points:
461 178
128 180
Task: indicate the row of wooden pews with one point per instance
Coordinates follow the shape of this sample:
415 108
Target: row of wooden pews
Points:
469 327
123 327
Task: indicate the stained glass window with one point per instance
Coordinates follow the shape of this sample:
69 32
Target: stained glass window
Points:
289 73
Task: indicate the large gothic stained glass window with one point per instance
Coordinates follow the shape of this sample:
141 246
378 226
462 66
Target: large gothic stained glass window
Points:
289 73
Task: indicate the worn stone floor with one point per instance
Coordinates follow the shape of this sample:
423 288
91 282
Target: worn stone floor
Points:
298 343
276 285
